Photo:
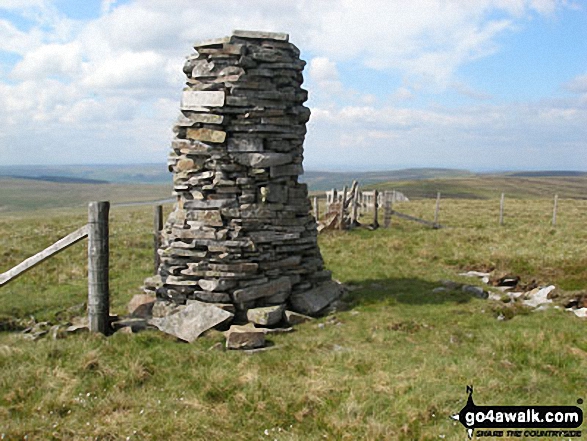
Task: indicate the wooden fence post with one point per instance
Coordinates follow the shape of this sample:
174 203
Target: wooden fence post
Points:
437 209
554 210
501 204
157 227
355 206
376 209
388 200
341 225
98 251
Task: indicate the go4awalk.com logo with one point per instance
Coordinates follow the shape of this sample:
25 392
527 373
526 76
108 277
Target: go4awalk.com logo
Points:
520 421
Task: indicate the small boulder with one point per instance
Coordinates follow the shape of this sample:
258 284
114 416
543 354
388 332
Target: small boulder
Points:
189 323
294 318
244 337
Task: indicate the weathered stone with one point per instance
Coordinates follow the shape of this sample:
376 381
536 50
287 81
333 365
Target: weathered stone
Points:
195 100
235 144
163 308
261 35
313 301
241 233
293 318
192 321
209 135
216 284
141 305
243 337
475 291
262 160
286 170
275 286
538 296
266 316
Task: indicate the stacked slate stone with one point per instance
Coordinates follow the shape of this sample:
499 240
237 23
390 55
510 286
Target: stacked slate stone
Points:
241 232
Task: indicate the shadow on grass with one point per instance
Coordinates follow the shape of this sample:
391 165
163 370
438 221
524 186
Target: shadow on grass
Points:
410 291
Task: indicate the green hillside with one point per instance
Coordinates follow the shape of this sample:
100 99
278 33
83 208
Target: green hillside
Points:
28 194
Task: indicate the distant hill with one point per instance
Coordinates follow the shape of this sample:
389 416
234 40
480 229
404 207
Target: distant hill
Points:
320 180
553 173
62 179
117 173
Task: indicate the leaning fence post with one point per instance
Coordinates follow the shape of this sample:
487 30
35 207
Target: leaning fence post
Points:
554 210
501 204
341 225
98 251
437 210
157 227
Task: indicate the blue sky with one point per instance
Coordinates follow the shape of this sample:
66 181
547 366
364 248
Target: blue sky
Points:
484 85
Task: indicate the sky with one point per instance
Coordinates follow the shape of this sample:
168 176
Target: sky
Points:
480 85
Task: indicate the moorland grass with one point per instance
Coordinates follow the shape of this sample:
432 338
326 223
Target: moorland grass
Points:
394 366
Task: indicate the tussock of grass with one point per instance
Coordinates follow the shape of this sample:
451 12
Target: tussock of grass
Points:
394 366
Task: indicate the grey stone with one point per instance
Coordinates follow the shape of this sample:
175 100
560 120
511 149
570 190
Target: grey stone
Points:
141 305
216 284
235 144
279 36
244 337
286 170
268 289
262 160
315 300
192 321
195 100
293 318
266 316
475 291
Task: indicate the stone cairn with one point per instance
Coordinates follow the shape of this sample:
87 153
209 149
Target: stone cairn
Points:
241 235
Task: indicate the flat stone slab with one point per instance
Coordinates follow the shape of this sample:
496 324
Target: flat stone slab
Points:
196 99
266 316
192 321
313 301
279 36
244 337
283 284
293 318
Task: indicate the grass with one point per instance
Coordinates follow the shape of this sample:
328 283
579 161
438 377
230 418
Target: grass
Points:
491 186
394 366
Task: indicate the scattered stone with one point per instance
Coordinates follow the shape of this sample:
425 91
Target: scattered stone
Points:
315 300
293 318
189 323
538 296
475 291
243 337
141 305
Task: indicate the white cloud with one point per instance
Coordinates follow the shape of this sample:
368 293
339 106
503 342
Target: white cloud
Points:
103 81
577 84
324 73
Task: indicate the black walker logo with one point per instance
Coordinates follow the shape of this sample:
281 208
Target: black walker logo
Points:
475 417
